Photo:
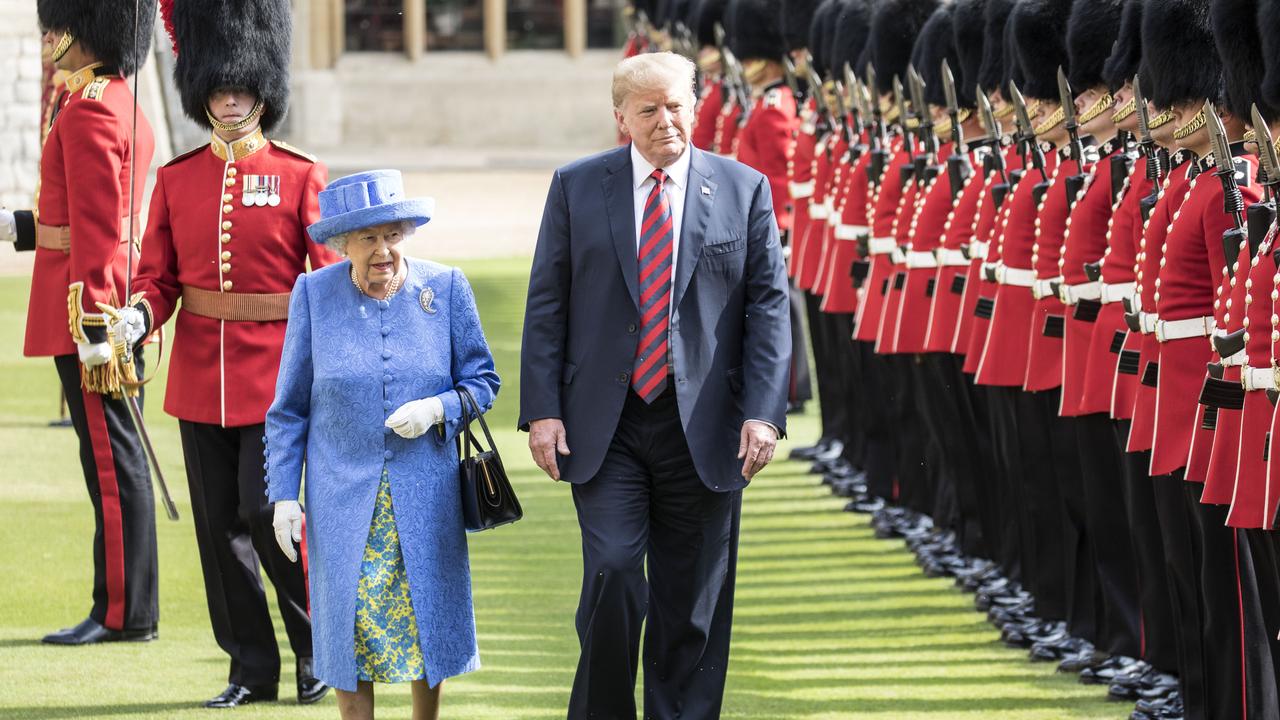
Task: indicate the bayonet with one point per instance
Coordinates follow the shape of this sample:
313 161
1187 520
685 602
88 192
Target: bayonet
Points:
958 167
1001 189
820 97
925 128
1026 133
793 81
904 117
1073 183
1266 151
1232 200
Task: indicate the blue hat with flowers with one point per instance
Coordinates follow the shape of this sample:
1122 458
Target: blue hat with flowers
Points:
366 199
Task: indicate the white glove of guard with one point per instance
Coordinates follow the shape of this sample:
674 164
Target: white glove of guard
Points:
415 417
129 325
8 229
288 526
93 355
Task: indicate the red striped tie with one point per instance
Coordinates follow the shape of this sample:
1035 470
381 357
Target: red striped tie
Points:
657 239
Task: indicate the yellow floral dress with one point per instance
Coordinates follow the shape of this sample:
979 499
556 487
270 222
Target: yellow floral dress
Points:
387 647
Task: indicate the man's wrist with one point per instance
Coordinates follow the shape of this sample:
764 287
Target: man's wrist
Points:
776 432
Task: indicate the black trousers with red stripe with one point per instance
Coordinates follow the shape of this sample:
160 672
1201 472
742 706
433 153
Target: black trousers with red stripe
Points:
125 577
234 533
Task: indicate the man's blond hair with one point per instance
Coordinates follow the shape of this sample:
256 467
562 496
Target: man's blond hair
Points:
651 71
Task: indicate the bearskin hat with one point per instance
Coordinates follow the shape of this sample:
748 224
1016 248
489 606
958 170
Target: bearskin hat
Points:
1179 55
1126 57
894 28
796 17
819 36
1269 30
1040 36
755 29
853 29
705 15
233 43
1235 31
1091 33
997 64
969 37
105 28
936 43
671 12
650 8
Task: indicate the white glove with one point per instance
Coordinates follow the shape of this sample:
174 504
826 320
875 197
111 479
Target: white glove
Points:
8 228
415 417
288 526
129 325
94 354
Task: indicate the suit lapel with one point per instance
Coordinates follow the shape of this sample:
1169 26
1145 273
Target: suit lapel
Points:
619 198
699 196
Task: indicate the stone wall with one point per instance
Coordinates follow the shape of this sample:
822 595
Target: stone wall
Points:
20 81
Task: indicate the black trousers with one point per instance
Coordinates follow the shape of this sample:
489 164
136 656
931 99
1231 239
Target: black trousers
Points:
879 456
1182 567
1159 633
1016 553
1109 534
801 389
956 430
647 506
987 487
234 534
826 367
1054 542
1264 556
125 570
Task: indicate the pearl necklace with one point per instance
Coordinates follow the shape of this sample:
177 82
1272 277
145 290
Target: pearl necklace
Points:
392 287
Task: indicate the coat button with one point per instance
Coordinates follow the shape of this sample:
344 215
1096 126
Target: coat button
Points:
226 224
226 238
226 254
226 285
231 172
388 455
387 378
386 354
383 304
386 330
631 328
623 377
230 182
226 267
228 208
386 405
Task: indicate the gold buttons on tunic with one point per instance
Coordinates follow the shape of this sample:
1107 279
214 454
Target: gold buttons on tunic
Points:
226 267
226 224
226 238
231 172
230 182
226 197
226 285
226 254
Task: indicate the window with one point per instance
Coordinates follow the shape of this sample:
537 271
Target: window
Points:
375 25
535 24
455 25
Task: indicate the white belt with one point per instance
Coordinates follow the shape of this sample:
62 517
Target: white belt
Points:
978 249
1041 288
1254 378
990 267
802 190
897 255
919 259
1147 322
834 218
1073 294
851 232
1115 292
1167 330
881 245
808 128
950 258
1237 358
1015 276
818 212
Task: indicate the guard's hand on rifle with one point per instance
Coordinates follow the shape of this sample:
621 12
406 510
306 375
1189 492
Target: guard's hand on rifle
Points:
8 228
94 355
127 324
415 417
288 526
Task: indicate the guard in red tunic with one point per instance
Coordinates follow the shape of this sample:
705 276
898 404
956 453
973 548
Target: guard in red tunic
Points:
225 239
80 232
704 16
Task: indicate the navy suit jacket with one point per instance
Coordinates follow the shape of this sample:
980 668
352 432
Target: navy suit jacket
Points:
730 328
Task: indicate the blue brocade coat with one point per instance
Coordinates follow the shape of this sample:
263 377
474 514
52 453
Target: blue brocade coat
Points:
349 362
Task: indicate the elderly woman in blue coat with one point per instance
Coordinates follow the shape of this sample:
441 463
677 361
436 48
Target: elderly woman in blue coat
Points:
366 409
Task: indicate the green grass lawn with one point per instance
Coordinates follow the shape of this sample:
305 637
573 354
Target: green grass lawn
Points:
831 623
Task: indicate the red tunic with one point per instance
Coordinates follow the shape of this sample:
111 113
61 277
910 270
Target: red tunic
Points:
908 207
801 168
950 279
1004 356
819 210
84 179
839 294
1085 241
980 293
1103 388
224 372
1044 353
765 141
1253 499
1150 252
924 238
883 205
1194 259
1214 453
704 118
727 129
823 234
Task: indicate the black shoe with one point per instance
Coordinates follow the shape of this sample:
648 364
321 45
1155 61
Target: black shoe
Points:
237 695
89 632
1150 685
1082 661
1109 670
1055 649
865 505
310 688
1158 705
808 453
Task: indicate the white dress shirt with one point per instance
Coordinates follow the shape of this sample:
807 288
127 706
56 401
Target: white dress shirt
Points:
675 186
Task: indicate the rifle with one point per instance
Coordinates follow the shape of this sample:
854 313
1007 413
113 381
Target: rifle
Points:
958 167
1073 183
1026 133
1232 200
925 164
820 97
793 81
904 172
1157 159
880 143
995 160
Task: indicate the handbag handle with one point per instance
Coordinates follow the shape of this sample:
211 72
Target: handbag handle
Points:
471 409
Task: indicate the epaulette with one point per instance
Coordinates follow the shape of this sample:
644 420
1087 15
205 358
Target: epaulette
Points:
95 89
187 154
295 151
772 97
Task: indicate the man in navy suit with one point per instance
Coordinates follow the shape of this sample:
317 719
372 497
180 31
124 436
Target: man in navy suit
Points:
654 371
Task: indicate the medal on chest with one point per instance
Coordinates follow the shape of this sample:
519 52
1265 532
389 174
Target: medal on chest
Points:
261 191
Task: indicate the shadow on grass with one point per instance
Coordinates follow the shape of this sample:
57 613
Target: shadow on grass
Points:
75 712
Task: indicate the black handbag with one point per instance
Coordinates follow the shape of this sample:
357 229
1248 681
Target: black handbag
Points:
487 497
